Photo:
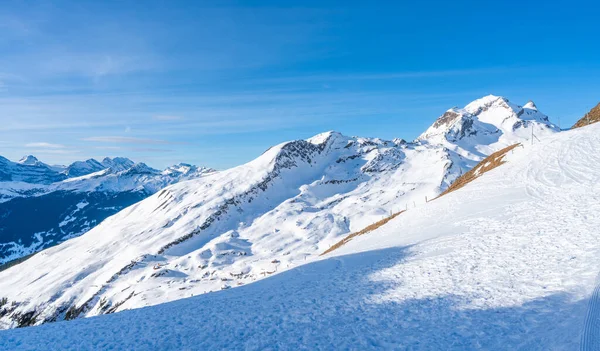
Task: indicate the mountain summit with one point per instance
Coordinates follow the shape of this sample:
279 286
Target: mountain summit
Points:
486 125
29 160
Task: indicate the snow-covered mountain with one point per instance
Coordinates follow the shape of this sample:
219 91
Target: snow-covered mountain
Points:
484 125
81 168
508 262
28 170
274 213
34 216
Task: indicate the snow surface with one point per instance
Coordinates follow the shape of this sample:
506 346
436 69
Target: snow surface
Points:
237 226
507 262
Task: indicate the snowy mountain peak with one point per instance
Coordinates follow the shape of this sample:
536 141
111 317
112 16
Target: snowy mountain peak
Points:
492 122
29 160
530 105
81 168
140 168
325 137
117 164
486 102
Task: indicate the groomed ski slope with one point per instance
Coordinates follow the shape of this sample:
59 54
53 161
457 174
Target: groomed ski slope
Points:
508 262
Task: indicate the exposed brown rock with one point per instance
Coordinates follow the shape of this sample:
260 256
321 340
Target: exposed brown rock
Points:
591 117
492 161
363 231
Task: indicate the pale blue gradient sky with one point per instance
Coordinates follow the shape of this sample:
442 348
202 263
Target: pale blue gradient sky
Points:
217 83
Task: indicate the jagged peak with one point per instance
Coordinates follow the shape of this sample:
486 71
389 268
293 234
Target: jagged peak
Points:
324 137
450 117
483 104
117 160
29 160
530 105
89 161
118 164
140 167
488 115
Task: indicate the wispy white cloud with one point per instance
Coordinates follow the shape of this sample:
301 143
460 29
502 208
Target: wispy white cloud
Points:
54 151
149 149
125 140
108 148
45 145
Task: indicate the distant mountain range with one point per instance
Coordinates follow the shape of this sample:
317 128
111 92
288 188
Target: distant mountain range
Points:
236 226
43 205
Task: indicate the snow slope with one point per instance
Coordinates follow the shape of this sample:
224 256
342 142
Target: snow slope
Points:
237 226
37 216
508 262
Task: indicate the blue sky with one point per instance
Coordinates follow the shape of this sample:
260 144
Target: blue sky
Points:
217 83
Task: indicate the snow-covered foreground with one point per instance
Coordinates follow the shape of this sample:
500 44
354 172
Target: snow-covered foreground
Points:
508 262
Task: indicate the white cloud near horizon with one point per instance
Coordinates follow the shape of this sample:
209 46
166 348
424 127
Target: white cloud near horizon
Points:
125 140
45 145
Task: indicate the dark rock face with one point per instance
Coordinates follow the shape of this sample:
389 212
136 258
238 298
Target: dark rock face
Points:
446 119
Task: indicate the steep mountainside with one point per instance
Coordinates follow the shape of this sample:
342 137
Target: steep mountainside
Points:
37 216
591 117
508 262
276 212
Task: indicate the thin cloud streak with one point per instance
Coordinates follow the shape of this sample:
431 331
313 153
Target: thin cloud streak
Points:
125 140
45 145
54 151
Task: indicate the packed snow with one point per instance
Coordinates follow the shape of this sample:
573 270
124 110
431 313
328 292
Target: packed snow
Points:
507 262
238 226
